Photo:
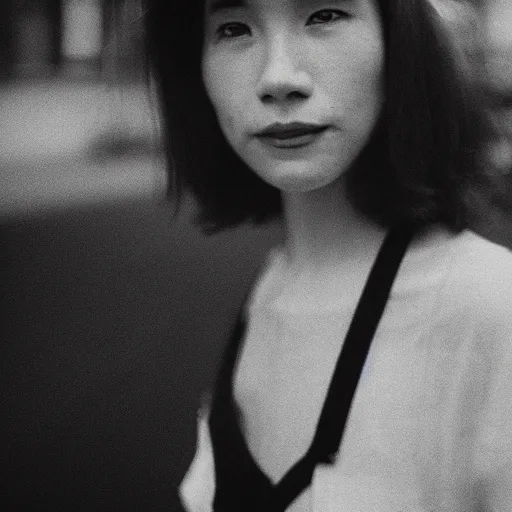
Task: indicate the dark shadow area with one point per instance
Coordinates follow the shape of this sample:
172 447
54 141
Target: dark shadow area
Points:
113 320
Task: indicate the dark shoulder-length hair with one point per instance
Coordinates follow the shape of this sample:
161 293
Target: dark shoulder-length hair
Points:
422 156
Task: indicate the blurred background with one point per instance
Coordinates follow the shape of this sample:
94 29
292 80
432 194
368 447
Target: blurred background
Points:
113 313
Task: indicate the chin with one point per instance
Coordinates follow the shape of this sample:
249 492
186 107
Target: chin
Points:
300 180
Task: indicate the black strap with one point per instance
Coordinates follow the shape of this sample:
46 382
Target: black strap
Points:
234 483
349 366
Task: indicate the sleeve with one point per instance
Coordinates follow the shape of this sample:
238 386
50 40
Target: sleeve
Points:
493 448
197 489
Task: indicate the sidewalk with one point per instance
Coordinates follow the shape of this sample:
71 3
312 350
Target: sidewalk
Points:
63 142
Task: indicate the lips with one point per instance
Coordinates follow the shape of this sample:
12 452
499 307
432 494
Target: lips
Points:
291 136
290 131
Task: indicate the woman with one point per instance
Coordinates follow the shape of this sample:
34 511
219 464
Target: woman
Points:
370 367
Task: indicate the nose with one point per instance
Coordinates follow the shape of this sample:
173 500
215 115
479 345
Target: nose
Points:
283 79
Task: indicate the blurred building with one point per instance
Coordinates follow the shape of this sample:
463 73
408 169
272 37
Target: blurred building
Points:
78 123
41 38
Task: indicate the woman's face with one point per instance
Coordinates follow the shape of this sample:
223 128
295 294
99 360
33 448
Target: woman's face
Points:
297 85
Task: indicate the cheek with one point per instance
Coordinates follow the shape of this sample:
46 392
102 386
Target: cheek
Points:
371 69
212 82
360 90
355 74
371 81
223 92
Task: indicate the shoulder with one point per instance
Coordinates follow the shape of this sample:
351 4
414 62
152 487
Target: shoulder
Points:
465 266
486 290
477 253
474 301
465 281
480 276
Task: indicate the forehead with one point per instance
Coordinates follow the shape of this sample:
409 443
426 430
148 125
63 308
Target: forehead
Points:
213 6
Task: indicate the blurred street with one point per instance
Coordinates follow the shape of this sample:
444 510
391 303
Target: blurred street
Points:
113 318
64 142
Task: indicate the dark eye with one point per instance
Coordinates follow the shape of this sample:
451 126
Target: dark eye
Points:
232 30
325 16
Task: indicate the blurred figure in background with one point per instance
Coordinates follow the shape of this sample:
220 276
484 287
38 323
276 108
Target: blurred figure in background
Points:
495 18
493 66
483 32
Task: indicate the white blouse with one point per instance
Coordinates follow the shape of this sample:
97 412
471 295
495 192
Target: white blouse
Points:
430 428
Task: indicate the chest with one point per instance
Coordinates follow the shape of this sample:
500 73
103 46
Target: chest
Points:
402 415
281 381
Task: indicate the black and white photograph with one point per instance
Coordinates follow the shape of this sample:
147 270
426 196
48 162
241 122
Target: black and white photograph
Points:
255 255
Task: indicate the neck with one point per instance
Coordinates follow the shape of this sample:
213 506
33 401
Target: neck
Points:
323 229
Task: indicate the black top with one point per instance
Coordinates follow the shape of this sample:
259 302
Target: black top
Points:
241 485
